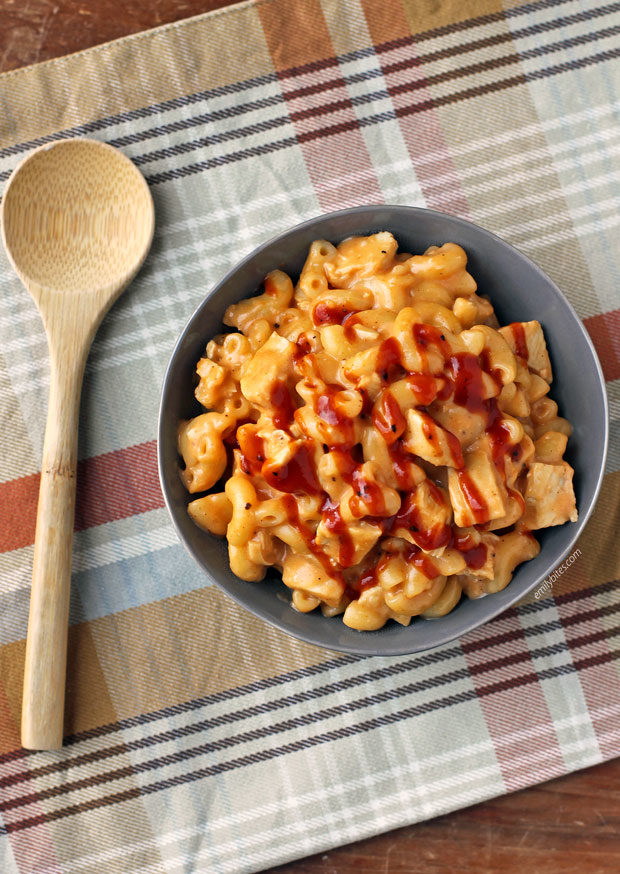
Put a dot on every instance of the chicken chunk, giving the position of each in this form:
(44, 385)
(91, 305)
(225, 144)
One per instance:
(477, 493)
(526, 339)
(549, 495)
(424, 437)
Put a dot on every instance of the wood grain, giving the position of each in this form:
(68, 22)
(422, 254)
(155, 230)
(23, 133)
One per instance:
(77, 220)
(570, 825)
(36, 30)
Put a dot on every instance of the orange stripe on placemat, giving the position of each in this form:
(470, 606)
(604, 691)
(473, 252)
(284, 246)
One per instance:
(449, 16)
(109, 487)
(403, 75)
(18, 511)
(336, 156)
(604, 330)
(9, 724)
(301, 37)
(386, 28)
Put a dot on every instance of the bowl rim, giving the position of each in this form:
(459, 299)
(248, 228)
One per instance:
(372, 636)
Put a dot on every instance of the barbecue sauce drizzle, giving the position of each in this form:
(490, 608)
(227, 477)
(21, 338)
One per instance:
(461, 379)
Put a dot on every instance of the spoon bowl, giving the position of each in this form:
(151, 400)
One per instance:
(77, 222)
(77, 216)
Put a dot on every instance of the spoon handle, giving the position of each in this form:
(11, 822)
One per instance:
(46, 646)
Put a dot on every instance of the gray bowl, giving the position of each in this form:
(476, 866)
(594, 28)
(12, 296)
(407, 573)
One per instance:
(519, 291)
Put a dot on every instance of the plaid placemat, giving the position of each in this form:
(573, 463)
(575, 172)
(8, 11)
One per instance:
(200, 739)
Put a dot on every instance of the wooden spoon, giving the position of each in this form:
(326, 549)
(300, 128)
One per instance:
(77, 223)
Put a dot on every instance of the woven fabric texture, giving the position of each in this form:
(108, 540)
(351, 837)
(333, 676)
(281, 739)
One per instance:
(198, 738)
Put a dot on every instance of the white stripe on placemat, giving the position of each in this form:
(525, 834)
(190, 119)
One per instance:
(16, 565)
(277, 808)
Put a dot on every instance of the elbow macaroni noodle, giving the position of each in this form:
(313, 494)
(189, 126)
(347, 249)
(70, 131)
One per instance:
(376, 436)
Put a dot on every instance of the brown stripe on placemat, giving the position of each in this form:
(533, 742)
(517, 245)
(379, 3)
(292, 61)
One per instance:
(510, 666)
(599, 543)
(87, 697)
(486, 18)
(422, 133)
(154, 656)
(432, 17)
(88, 702)
(412, 109)
(389, 31)
(494, 689)
(489, 665)
(9, 717)
(12, 657)
(340, 169)
(272, 729)
(298, 40)
(315, 86)
(273, 99)
(120, 106)
(397, 28)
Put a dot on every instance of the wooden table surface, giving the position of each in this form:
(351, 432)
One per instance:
(570, 825)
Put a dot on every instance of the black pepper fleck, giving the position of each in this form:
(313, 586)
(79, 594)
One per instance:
(394, 428)
(247, 506)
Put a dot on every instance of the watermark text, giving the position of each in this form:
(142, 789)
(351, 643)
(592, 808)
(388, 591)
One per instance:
(547, 584)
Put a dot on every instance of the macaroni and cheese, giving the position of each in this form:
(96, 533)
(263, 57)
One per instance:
(374, 434)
